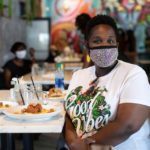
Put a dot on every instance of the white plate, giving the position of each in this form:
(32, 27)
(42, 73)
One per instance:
(9, 103)
(28, 116)
(59, 98)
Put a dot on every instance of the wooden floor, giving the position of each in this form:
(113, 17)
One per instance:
(45, 142)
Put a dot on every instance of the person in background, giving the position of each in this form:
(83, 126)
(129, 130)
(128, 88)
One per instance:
(131, 45)
(81, 22)
(53, 52)
(19, 65)
(147, 39)
(107, 104)
(122, 46)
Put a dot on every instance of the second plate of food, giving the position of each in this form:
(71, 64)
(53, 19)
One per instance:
(56, 94)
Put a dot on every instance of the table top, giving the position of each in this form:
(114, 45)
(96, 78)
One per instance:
(47, 75)
(54, 125)
(67, 66)
(47, 78)
(7, 125)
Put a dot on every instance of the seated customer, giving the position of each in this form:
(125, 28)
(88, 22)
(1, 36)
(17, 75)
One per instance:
(53, 52)
(107, 104)
(17, 66)
(81, 22)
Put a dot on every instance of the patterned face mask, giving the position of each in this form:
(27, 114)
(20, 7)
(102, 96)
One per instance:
(104, 56)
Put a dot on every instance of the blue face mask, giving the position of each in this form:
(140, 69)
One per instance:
(104, 56)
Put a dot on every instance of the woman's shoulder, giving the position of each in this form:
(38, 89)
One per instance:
(86, 71)
(129, 65)
(130, 68)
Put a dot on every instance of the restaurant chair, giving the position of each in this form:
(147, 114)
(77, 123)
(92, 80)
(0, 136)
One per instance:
(143, 60)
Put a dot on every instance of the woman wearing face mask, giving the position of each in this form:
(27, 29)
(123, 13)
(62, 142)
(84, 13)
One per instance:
(107, 104)
(18, 66)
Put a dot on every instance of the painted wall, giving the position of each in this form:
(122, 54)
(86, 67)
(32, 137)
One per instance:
(129, 14)
(134, 14)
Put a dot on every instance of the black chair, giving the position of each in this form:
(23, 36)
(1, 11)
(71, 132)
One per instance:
(144, 61)
(2, 81)
(144, 56)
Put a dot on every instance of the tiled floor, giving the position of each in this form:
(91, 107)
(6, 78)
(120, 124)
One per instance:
(45, 142)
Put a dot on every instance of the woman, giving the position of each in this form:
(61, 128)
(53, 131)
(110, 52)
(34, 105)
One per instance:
(18, 66)
(107, 104)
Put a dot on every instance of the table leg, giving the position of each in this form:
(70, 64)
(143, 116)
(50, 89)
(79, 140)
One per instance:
(27, 141)
(7, 142)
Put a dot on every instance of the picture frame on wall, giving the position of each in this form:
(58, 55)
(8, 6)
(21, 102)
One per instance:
(38, 37)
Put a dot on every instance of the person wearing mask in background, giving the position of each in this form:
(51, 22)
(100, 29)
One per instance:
(19, 65)
(107, 104)
(81, 22)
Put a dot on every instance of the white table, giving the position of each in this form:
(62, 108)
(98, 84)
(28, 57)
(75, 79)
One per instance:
(47, 78)
(7, 125)
(54, 125)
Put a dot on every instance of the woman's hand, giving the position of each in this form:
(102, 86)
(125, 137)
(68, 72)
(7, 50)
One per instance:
(72, 140)
(32, 54)
(79, 144)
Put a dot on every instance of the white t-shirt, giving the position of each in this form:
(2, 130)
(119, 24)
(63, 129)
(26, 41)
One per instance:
(126, 83)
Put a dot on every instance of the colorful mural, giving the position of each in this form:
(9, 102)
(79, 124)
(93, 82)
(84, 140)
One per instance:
(129, 14)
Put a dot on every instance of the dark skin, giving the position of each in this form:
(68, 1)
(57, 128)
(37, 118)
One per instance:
(126, 122)
(73, 141)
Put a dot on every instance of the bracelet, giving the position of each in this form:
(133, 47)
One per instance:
(89, 140)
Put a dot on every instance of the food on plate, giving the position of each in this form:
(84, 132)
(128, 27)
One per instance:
(2, 105)
(55, 92)
(35, 109)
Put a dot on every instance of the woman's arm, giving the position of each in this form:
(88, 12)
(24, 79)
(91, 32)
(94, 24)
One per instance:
(7, 78)
(130, 118)
(70, 133)
(72, 140)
